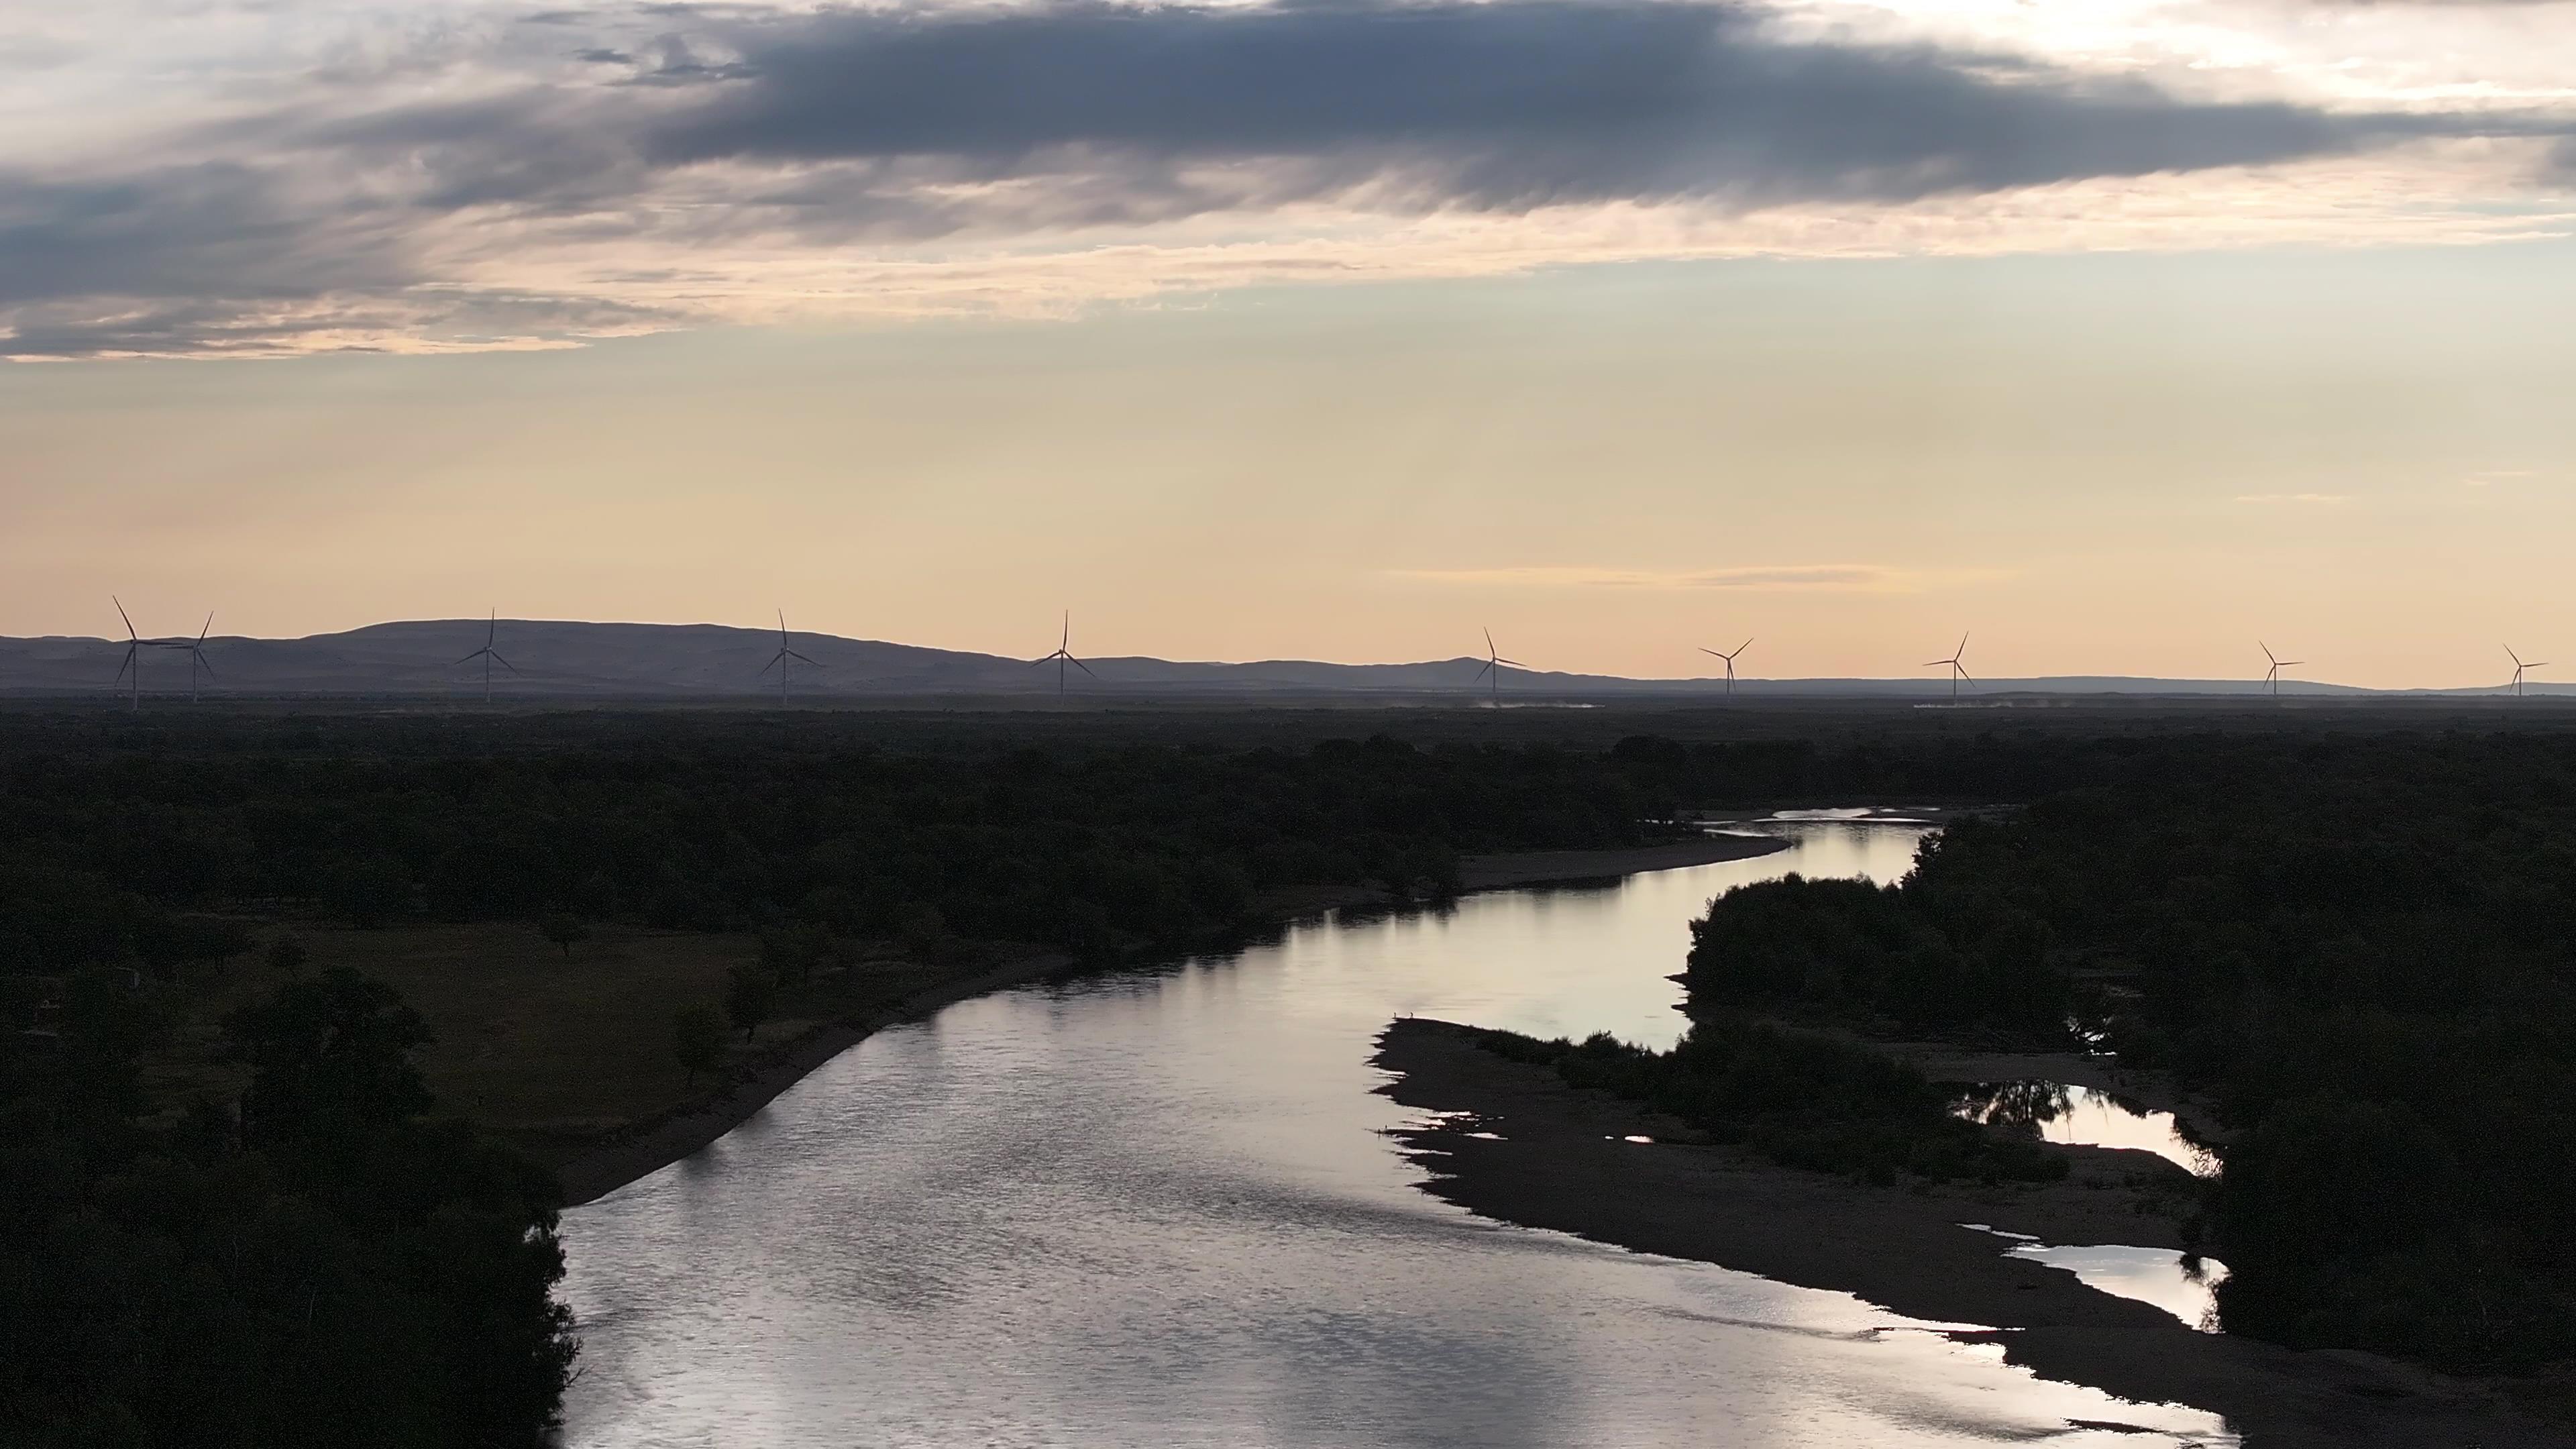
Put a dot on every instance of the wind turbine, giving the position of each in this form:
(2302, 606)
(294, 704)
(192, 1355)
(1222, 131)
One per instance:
(1730, 664)
(785, 660)
(1063, 656)
(196, 655)
(1958, 671)
(133, 655)
(1494, 662)
(489, 655)
(2272, 676)
(2519, 667)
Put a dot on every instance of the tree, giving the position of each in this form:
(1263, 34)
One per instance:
(923, 932)
(751, 994)
(287, 955)
(367, 891)
(791, 950)
(383, 1280)
(698, 1035)
(563, 928)
(329, 1054)
(596, 896)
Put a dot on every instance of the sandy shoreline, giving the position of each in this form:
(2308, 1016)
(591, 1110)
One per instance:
(1559, 1164)
(648, 1147)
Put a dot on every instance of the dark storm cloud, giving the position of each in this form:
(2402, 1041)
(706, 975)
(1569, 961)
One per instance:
(692, 125)
(1503, 105)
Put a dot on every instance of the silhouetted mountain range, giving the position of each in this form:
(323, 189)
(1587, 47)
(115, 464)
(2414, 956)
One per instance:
(560, 660)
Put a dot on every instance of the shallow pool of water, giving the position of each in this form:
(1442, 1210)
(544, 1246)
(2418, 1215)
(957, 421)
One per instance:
(2182, 1284)
(1157, 1208)
(2084, 1117)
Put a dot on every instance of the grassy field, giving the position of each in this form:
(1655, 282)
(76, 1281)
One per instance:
(550, 1053)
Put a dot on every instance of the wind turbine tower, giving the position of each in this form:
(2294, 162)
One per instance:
(1958, 671)
(1063, 656)
(133, 664)
(1730, 663)
(1494, 662)
(785, 660)
(2272, 676)
(196, 655)
(2520, 668)
(489, 655)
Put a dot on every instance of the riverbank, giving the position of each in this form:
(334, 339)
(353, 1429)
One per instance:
(1552, 867)
(1559, 1159)
(648, 1145)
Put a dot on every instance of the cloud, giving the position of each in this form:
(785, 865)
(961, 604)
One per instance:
(2289, 498)
(1502, 105)
(557, 175)
(1834, 578)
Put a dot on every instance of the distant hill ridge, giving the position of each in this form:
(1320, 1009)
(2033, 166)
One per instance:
(564, 659)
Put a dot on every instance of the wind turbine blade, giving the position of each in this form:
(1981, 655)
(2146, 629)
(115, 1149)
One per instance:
(201, 661)
(504, 663)
(792, 654)
(774, 661)
(1034, 663)
(491, 630)
(1078, 664)
(1490, 650)
(1516, 664)
(1964, 674)
(210, 623)
(120, 613)
(121, 668)
(1065, 640)
(2267, 652)
(470, 658)
(1937, 663)
(1740, 648)
(1962, 651)
(1483, 669)
(1713, 654)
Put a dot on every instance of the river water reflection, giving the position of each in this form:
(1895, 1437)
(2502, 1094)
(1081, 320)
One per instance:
(1155, 1208)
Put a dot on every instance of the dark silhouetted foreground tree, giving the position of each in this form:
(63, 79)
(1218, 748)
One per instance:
(698, 1038)
(336, 1270)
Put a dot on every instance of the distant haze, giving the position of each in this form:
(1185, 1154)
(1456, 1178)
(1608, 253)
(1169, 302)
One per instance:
(554, 660)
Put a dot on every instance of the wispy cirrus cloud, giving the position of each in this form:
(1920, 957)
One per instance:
(502, 177)
(1826, 578)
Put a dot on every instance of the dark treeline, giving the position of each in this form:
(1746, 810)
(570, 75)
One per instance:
(2364, 947)
(323, 1267)
(111, 858)
(129, 844)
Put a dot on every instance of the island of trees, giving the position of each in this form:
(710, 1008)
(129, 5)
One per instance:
(2363, 947)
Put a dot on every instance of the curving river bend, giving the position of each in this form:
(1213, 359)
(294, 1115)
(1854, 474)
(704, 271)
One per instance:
(1154, 1208)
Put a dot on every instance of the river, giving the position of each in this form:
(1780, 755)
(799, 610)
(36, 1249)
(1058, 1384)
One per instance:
(1156, 1208)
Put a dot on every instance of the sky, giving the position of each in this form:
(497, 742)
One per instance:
(2116, 335)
